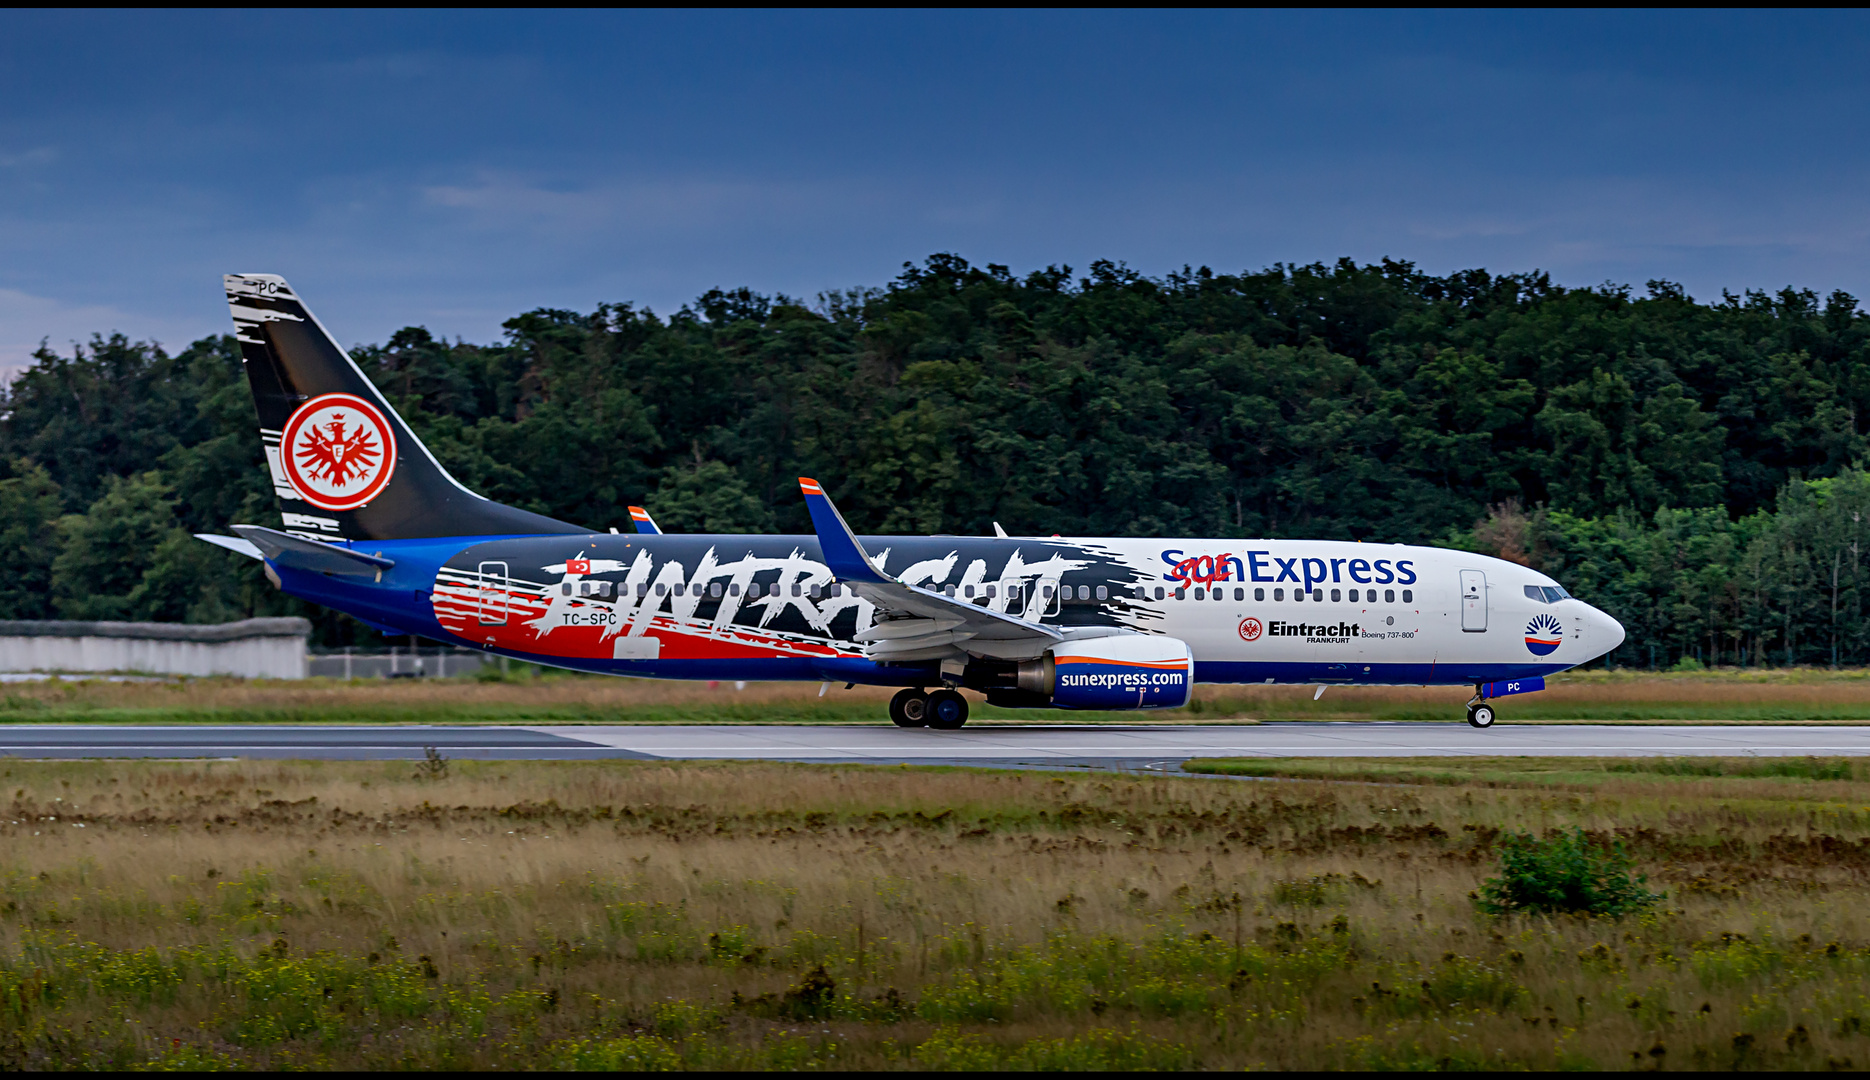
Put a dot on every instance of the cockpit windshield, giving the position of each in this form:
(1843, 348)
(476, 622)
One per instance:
(1546, 594)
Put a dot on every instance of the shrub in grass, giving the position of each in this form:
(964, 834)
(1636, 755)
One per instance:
(1564, 873)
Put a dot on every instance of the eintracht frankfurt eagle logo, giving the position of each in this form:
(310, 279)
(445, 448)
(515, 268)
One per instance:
(1543, 634)
(338, 451)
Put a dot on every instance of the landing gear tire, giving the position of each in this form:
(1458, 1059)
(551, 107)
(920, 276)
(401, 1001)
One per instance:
(1480, 716)
(910, 708)
(947, 710)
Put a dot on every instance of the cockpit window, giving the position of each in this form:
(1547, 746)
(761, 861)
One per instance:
(1546, 594)
(1534, 592)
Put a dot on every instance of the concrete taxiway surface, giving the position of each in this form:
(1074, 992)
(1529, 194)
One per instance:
(1153, 747)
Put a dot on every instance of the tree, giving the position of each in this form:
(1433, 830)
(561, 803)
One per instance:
(29, 513)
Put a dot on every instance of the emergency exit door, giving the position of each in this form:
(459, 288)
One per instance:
(1473, 601)
(492, 593)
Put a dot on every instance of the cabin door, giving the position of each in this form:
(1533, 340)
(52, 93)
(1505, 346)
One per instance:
(1473, 601)
(492, 593)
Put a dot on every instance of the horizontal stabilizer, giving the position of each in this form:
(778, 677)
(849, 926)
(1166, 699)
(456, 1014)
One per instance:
(298, 553)
(235, 544)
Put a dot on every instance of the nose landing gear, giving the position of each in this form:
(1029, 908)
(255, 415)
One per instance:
(1480, 714)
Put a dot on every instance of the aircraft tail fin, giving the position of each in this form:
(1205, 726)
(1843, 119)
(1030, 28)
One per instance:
(344, 465)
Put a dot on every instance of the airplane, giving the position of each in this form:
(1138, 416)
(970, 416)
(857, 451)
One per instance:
(377, 528)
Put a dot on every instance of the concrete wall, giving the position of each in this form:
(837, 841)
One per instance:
(252, 648)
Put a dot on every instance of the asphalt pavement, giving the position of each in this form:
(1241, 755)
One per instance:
(1123, 747)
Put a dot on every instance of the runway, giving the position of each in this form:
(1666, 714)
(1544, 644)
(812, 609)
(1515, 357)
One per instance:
(1121, 747)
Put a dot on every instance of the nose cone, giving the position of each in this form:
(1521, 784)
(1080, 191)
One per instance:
(1606, 632)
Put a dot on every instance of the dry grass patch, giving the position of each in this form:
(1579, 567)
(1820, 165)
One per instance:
(630, 915)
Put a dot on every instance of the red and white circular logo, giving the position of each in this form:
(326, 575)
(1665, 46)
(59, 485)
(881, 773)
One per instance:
(338, 451)
(1250, 629)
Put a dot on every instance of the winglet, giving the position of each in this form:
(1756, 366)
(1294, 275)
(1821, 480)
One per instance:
(644, 523)
(844, 555)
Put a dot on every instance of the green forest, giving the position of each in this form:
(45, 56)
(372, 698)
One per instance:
(1694, 467)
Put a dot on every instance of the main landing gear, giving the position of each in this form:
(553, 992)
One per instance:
(944, 710)
(1480, 714)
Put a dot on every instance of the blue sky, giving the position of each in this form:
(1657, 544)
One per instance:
(451, 170)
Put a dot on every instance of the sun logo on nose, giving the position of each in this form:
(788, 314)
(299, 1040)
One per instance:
(1543, 634)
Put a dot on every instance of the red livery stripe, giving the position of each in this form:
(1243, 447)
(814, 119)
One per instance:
(1159, 665)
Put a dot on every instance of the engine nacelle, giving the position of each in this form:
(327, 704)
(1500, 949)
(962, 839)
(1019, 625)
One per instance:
(1127, 671)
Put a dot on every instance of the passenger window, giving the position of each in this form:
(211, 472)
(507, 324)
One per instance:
(661, 589)
(967, 591)
(733, 588)
(1180, 593)
(565, 589)
(1159, 592)
(1279, 594)
(1259, 594)
(1102, 594)
(1389, 596)
(1334, 596)
(1408, 597)
(1201, 594)
(1372, 598)
(951, 590)
(1240, 594)
(797, 591)
(1318, 596)
(714, 589)
(642, 589)
(990, 592)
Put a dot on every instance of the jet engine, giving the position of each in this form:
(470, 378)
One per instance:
(1126, 671)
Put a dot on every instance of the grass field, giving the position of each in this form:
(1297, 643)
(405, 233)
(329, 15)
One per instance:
(1797, 696)
(647, 915)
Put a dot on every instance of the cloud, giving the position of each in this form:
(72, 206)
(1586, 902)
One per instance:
(28, 159)
(664, 205)
(27, 320)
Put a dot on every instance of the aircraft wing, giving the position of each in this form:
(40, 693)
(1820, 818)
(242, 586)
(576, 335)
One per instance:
(315, 555)
(918, 623)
